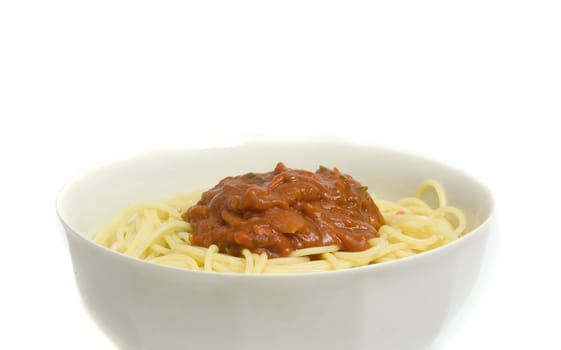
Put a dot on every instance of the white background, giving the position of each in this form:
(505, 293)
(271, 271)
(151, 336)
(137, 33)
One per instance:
(473, 83)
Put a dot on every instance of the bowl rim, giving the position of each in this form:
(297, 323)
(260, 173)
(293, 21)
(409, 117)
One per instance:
(478, 230)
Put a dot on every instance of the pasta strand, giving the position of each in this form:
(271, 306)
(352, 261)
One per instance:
(157, 233)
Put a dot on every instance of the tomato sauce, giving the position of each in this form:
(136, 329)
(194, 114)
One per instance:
(283, 210)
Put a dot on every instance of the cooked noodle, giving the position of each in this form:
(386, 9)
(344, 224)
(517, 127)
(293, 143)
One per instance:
(156, 232)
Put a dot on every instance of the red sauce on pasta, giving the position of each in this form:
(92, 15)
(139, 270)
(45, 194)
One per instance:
(283, 210)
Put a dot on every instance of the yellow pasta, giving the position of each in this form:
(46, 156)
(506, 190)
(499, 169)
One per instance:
(156, 232)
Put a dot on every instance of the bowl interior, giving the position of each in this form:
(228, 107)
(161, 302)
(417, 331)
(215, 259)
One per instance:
(92, 198)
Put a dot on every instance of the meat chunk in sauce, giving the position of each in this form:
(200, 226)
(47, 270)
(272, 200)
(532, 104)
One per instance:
(283, 210)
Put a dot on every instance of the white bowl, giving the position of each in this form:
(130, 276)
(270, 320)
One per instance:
(395, 305)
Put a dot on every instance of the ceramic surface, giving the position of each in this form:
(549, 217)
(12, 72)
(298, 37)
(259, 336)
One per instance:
(396, 305)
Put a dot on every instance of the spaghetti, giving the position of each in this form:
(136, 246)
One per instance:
(157, 233)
